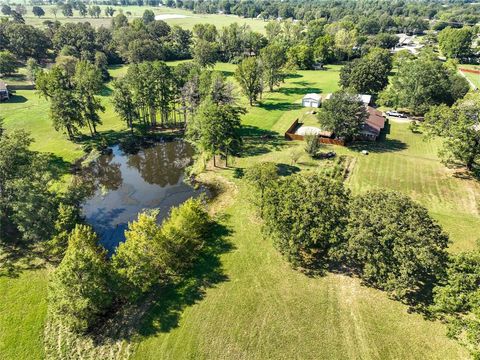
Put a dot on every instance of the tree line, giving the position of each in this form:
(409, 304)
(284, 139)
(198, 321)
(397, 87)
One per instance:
(381, 236)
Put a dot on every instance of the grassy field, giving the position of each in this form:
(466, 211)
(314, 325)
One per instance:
(264, 309)
(187, 22)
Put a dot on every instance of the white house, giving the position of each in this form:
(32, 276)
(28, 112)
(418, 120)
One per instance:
(312, 100)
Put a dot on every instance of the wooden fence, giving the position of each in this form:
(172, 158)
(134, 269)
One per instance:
(290, 135)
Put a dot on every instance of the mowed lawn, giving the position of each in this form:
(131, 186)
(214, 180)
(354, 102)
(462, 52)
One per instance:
(188, 20)
(264, 309)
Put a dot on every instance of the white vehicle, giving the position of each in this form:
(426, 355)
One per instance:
(396, 114)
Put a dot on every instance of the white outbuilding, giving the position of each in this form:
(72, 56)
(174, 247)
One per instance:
(312, 100)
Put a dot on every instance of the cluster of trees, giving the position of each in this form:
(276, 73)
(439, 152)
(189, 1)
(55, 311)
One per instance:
(200, 99)
(459, 128)
(384, 237)
(456, 43)
(423, 82)
(369, 74)
(32, 213)
(71, 86)
(142, 40)
(86, 284)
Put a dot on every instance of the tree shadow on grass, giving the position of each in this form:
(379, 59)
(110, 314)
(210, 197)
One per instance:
(57, 165)
(287, 170)
(282, 106)
(258, 141)
(17, 257)
(380, 146)
(170, 301)
(299, 90)
(293, 76)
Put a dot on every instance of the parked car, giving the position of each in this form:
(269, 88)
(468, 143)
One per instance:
(396, 114)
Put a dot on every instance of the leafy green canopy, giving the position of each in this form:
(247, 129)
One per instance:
(154, 254)
(422, 83)
(344, 114)
(306, 214)
(457, 300)
(395, 245)
(459, 128)
(368, 75)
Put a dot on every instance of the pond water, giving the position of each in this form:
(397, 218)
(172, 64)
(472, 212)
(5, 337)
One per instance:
(127, 184)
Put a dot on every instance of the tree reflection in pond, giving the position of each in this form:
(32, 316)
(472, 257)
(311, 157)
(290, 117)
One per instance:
(128, 184)
(163, 165)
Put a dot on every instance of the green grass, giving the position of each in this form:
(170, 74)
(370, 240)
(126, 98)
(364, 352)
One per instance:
(265, 309)
(23, 306)
(218, 19)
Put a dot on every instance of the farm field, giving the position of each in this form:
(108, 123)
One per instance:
(263, 308)
(187, 21)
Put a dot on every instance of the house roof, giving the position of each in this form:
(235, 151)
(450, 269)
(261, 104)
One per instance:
(312, 96)
(3, 86)
(375, 121)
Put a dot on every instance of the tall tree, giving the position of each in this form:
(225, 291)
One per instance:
(273, 61)
(368, 75)
(88, 82)
(249, 75)
(205, 53)
(139, 260)
(261, 176)
(66, 111)
(8, 63)
(421, 83)
(123, 103)
(215, 129)
(38, 11)
(79, 290)
(456, 43)
(457, 299)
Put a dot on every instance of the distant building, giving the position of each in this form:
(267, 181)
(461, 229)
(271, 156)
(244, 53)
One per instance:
(3, 91)
(312, 100)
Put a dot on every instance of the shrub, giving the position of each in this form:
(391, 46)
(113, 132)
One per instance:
(312, 145)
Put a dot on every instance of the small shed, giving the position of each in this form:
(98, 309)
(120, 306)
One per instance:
(3, 91)
(312, 100)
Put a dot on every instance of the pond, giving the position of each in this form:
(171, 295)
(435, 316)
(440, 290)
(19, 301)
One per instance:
(127, 184)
